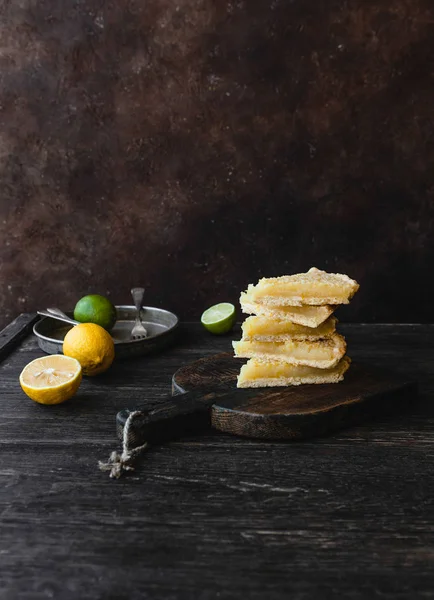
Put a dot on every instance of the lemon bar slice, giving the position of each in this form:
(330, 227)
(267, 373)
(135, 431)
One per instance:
(314, 287)
(310, 316)
(256, 374)
(322, 354)
(264, 329)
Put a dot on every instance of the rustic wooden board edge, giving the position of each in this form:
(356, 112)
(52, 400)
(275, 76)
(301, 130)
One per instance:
(177, 388)
(322, 424)
(15, 332)
(398, 394)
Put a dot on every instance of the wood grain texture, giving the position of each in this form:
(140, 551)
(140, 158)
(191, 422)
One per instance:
(296, 412)
(214, 516)
(13, 333)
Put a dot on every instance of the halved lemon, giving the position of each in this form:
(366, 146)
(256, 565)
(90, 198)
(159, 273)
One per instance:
(51, 379)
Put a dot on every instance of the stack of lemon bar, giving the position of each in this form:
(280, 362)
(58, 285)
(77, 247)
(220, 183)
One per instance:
(292, 338)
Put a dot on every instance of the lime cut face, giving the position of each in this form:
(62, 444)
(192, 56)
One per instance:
(220, 318)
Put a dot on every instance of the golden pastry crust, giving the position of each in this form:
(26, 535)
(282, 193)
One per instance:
(287, 375)
(315, 287)
(265, 329)
(322, 354)
(310, 316)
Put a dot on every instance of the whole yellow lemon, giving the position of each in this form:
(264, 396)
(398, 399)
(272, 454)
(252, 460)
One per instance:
(92, 346)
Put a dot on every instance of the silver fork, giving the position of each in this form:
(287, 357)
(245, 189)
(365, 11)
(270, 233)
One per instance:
(138, 332)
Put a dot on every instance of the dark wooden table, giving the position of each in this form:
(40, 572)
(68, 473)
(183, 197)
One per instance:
(213, 516)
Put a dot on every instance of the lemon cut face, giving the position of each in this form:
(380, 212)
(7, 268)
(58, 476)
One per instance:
(51, 379)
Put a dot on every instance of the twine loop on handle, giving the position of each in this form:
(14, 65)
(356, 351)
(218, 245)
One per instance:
(118, 463)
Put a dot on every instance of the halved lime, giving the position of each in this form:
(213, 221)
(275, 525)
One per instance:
(219, 318)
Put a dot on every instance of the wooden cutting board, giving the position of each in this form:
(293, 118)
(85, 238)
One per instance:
(204, 393)
(295, 412)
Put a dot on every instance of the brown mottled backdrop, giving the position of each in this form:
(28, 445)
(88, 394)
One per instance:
(192, 146)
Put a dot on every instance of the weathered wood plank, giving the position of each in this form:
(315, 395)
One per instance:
(13, 333)
(214, 516)
(185, 517)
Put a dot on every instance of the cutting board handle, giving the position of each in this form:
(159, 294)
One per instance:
(176, 416)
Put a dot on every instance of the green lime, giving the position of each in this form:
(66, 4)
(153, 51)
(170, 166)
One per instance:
(219, 318)
(95, 309)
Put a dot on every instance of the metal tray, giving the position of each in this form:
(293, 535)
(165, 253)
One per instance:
(160, 324)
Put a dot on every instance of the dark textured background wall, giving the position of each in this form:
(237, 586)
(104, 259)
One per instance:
(192, 146)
